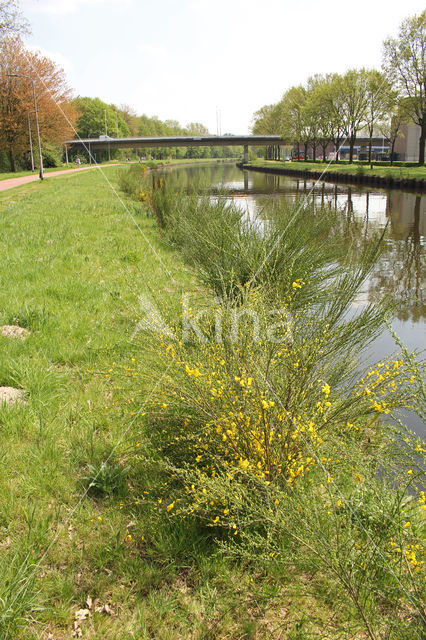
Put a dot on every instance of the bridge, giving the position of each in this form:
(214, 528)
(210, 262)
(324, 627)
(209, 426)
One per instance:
(107, 143)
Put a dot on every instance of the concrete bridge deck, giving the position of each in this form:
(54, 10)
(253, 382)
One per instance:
(176, 141)
(104, 142)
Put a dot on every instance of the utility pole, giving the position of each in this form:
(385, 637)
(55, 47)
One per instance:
(21, 75)
(31, 142)
(106, 133)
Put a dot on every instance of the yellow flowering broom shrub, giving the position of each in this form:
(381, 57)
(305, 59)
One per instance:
(265, 403)
(270, 436)
(275, 449)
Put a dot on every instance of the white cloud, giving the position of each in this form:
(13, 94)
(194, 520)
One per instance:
(63, 7)
(56, 56)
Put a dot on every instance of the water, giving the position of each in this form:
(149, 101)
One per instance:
(400, 271)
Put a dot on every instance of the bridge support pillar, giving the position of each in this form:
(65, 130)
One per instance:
(246, 156)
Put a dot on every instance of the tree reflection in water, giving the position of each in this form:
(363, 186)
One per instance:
(400, 271)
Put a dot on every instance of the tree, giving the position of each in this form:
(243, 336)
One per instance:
(292, 104)
(333, 101)
(12, 23)
(93, 115)
(404, 62)
(55, 114)
(390, 129)
(130, 117)
(197, 129)
(354, 95)
(380, 99)
(312, 120)
(173, 127)
(320, 110)
(267, 120)
(91, 119)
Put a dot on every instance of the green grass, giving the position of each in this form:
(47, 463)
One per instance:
(73, 266)
(356, 168)
(7, 175)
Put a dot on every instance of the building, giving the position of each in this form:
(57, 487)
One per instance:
(406, 147)
(407, 143)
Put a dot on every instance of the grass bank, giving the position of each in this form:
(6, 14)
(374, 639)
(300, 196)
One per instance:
(152, 164)
(272, 440)
(74, 263)
(89, 541)
(401, 176)
(71, 165)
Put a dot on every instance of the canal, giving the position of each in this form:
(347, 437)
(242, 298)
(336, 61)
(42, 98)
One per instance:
(400, 270)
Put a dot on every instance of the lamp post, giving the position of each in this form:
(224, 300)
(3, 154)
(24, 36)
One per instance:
(106, 133)
(21, 75)
(31, 141)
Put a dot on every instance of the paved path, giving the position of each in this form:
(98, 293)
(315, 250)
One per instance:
(16, 182)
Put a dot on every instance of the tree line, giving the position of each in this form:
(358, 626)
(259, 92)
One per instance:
(62, 116)
(98, 118)
(334, 108)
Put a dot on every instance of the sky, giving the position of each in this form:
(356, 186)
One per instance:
(209, 61)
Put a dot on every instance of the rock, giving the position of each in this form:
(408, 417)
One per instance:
(9, 395)
(13, 331)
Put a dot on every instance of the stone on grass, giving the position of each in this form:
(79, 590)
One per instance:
(9, 395)
(13, 331)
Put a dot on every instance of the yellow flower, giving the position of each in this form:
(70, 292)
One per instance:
(325, 389)
(170, 506)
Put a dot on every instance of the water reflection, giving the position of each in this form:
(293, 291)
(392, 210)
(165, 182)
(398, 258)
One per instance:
(365, 213)
(399, 272)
